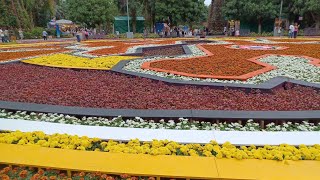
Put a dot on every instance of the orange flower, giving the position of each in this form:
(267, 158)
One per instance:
(103, 176)
(124, 176)
(82, 174)
(134, 178)
(151, 178)
(41, 172)
(7, 169)
(109, 178)
(4, 177)
(23, 174)
(36, 176)
(44, 178)
(62, 175)
(53, 177)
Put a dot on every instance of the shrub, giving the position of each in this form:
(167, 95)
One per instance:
(34, 33)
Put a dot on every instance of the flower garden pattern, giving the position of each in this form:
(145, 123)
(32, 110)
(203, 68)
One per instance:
(74, 62)
(236, 63)
(95, 85)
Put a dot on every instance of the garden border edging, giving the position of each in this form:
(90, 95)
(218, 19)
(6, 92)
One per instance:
(195, 114)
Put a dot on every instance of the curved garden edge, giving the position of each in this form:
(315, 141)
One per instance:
(266, 86)
(237, 138)
(192, 114)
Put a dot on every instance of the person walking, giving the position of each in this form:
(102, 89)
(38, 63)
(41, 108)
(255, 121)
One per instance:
(145, 33)
(21, 34)
(79, 34)
(296, 29)
(44, 35)
(291, 31)
(2, 35)
(86, 34)
(6, 36)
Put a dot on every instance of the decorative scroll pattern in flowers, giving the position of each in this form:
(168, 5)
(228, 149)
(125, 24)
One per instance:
(237, 59)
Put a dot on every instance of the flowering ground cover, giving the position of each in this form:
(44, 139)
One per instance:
(120, 47)
(7, 56)
(163, 147)
(180, 124)
(164, 51)
(69, 61)
(233, 64)
(32, 173)
(88, 88)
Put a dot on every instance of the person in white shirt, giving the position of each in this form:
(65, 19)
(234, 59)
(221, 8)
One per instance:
(2, 36)
(21, 34)
(291, 30)
(44, 35)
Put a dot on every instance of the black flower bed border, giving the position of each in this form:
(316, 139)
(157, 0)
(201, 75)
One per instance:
(209, 115)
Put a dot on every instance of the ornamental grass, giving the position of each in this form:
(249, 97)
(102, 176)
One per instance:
(163, 147)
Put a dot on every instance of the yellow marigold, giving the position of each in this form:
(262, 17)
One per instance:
(70, 61)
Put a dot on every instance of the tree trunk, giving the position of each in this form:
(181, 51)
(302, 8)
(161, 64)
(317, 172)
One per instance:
(318, 25)
(259, 25)
(134, 21)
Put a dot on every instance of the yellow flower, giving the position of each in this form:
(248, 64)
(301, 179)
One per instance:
(70, 61)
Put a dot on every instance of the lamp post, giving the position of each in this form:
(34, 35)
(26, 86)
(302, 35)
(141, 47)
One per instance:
(128, 16)
(280, 18)
(281, 9)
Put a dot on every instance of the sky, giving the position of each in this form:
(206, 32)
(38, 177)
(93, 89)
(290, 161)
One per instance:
(207, 2)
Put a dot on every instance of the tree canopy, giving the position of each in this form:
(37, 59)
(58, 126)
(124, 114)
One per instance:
(91, 13)
(187, 11)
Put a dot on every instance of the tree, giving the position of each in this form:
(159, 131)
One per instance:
(91, 13)
(261, 9)
(184, 12)
(234, 9)
(313, 7)
(216, 21)
(251, 10)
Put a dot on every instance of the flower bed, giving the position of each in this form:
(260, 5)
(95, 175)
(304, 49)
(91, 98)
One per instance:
(27, 83)
(31, 173)
(9, 56)
(255, 47)
(208, 66)
(120, 47)
(163, 147)
(163, 51)
(307, 55)
(181, 123)
(69, 61)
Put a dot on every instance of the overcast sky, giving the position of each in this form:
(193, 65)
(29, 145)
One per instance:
(207, 2)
